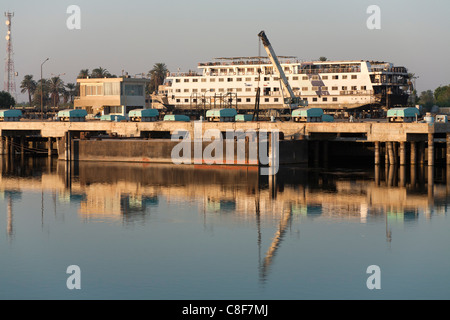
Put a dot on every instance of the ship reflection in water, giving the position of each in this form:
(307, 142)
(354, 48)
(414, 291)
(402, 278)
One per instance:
(126, 193)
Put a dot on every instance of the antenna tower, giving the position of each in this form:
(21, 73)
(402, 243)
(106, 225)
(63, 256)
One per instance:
(10, 82)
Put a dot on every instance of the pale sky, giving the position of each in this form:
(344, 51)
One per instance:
(135, 34)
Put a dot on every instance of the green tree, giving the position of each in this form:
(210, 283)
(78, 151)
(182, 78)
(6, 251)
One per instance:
(71, 89)
(100, 73)
(28, 85)
(6, 100)
(42, 86)
(426, 99)
(157, 76)
(84, 73)
(442, 96)
(323, 59)
(55, 88)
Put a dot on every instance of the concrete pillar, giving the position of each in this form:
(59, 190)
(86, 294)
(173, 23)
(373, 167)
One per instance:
(430, 149)
(377, 153)
(2, 145)
(386, 154)
(325, 153)
(316, 152)
(402, 150)
(413, 157)
(448, 150)
(49, 147)
(391, 153)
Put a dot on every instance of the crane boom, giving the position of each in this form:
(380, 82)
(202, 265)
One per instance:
(292, 100)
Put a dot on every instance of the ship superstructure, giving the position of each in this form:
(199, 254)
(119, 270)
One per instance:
(331, 85)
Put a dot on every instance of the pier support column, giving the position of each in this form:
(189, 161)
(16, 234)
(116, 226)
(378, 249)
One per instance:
(402, 150)
(430, 149)
(2, 145)
(448, 150)
(49, 147)
(391, 153)
(413, 159)
(386, 154)
(377, 153)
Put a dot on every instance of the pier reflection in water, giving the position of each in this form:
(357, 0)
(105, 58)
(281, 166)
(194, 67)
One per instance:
(268, 208)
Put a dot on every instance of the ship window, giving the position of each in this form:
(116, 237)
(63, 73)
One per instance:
(324, 88)
(203, 90)
(238, 79)
(194, 80)
(315, 77)
(186, 90)
(305, 89)
(315, 88)
(212, 80)
(220, 79)
(177, 90)
(314, 99)
(266, 79)
(239, 100)
(354, 76)
(186, 100)
(354, 88)
(266, 99)
(294, 78)
(177, 80)
(238, 89)
(230, 79)
(248, 89)
(305, 78)
(334, 88)
(248, 79)
(186, 80)
(247, 100)
(203, 79)
(194, 90)
(324, 99)
(344, 77)
(275, 100)
(344, 87)
(363, 87)
(335, 77)
(178, 100)
(221, 90)
(324, 77)
(335, 99)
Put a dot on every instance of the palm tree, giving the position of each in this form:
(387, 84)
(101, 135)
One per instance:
(56, 87)
(71, 89)
(84, 73)
(28, 84)
(100, 73)
(42, 86)
(157, 76)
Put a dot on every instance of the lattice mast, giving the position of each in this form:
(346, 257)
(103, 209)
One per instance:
(10, 82)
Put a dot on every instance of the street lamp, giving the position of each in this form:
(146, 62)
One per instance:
(42, 91)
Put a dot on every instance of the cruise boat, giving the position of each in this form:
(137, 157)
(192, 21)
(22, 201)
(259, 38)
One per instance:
(334, 86)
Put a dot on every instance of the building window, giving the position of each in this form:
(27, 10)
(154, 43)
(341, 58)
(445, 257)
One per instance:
(334, 99)
(186, 90)
(324, 88)
(178, 100)
(220, 79)
(275, 100)
(186, 80)
(305, 78)
(134, 90)
(112, 88)
(230, 79)
(247, 100)
(344, 88)
(203, 79)
(248, 79)
(305, 89)
(324, 99)
(324, 77)
(363, 87)
(344, 77)
(177, 80)
(212, 80)
(266, 99)
(334, 88)
(186, 100)
(238, 79)
(354, 76)
(314, 99)
(354, 88)
(335, 77)
(315, 88)
(294, 78)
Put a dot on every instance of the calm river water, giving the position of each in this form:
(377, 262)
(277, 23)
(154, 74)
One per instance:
(139, 231)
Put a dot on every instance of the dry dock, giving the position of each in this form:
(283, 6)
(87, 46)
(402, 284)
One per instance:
(390, 143)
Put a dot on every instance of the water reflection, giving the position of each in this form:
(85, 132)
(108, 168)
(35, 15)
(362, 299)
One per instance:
(129, 192)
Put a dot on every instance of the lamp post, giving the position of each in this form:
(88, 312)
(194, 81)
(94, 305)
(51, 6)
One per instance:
(42, 91)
